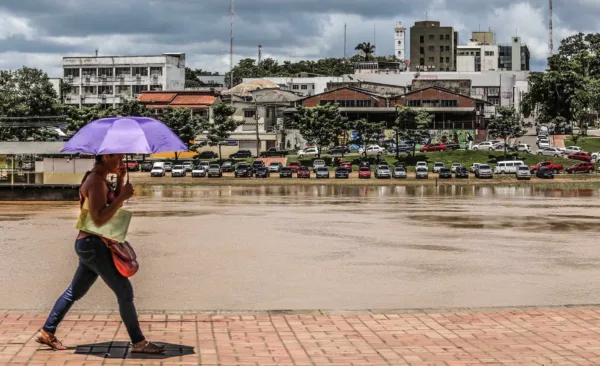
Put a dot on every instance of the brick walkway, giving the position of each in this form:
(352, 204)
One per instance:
(525, 336)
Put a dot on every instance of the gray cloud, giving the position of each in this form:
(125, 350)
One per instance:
(45, 30)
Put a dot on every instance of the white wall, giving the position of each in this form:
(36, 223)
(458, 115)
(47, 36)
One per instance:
(465, 63)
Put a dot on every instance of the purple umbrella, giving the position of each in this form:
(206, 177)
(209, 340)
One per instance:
(124, 135)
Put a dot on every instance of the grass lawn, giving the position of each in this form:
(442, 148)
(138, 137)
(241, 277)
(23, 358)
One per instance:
(589, 144)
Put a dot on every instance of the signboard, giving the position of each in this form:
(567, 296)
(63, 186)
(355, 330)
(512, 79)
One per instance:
(232, 142)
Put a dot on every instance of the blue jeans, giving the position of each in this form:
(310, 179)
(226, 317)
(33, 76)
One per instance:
(95, 259)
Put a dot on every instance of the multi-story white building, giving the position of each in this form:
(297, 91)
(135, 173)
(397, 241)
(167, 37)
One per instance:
(477, 57)
(303, 86)
(111, 79)
(400, 42)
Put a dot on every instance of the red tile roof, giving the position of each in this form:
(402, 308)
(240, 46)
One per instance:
(157, 97)
(193, 99)
(163, 106)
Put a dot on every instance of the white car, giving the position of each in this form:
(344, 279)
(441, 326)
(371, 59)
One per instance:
(474, 167)
(178, 171)
(550, 151)
(437, 166)
(524, 148)
(157, 171)
(484, 171)
(309, 151)
(543, 143)
(188, 165)
(422, 164)
(455, 166)
(523, 172)
(199, 171)
(487, 145)
(421, 172)
(572, 150)
(372, 150)
(595, 155)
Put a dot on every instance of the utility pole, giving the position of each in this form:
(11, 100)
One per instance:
(550, 41)
(374, 40)
(345, 28)
(259, 53)
(231, 15)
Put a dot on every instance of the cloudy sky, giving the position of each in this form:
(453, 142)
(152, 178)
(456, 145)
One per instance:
(39, 32)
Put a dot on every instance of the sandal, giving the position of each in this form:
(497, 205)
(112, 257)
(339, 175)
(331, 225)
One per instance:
(147, 347)
(50, 340)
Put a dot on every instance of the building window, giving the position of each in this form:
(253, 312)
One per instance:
(431, 59)
(493, 91)
(89, 90)
(123, 71)
(413, 103)
(142, 71)
(447, 48)
(72, 90)
(156, 71)
(363, 103)
(449, 103)
(156, 87)
(295, 87)
(249, 113)
(431, 37)
(105, 90)
(431, 48)
(494, 100)
(477, 53)
(422, 50)
(421, 62)
(441, 37)
(399, 43)
(105, 71)
(88, 71)
(430, 103)
(422, 39)
(138, 89)
(447, 37)
(72, 72)
(441, 59)
(441, 48)
(399, 53)
(489, 53)
(123, 90)
(447, 59)
(304, 87)
(478, 91)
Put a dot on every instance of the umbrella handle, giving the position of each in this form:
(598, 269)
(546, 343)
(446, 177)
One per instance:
(127, 167)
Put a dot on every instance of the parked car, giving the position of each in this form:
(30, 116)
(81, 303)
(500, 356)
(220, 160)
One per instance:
(168, 166)
(346, 165)
(399, 172)
(309, 151)
(271, 152)
(342, 173)
(132, 166)
(257, 164)
(243, 170)
(262, 172)
(484, 171)
(364, 172)
(319, 163)
(188, 165)
(147, 166)
(461, 172)
(198, 171)
(421, 172)
(524, 148)
(509, 166)
(207, 155)
(339, 150)
(157, 171)
(445, 173)
(322, 172)
(241, 154)
(583, 156)
(437, 166)
(542, 143)
(523, 172)
(452, 146)
(474, 167)
(455, 166)
(275, 167)
(433, 147)
(372, 150)
(402, 148)
(227, 166)
(303, 172)
(178, 171)
(214, 170)
(294, 165)
(550, 151)
(205, 164)
(422, 164)
(583, 167)
(595, 156)
(544, 173)
(383, 171)
(486, 145)
(572, 149)
(547, 164)
(285, 172)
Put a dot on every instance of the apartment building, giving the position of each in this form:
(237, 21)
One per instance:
(109, 80)
(432, 47)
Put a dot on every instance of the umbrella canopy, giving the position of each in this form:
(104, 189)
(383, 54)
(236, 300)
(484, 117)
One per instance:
(124, 135)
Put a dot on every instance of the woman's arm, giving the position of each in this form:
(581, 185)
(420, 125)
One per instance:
(97, 191)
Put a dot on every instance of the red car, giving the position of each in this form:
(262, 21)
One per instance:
(364, 172)
(346, 165)
(433, 147)
(294, 165)
(303, 172)
(555, 168)
(583, 167)
(583, 156)
(132, 166)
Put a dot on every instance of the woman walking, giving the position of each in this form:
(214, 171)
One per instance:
(95, 258)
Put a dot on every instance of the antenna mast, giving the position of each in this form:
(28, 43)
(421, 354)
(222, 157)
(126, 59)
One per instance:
(550, 42)
(259, 53)
(345, 41)
(231, 15)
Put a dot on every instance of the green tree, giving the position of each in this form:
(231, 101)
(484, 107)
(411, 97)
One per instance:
(366, 132)
(505, 125)
(184, 124)
(191, 80)
(366, 48)
(321, 124)
(27, 93)
(133, 108)
(222, 125)
(411, 125)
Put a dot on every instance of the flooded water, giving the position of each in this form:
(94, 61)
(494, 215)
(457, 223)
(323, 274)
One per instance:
(326, 247)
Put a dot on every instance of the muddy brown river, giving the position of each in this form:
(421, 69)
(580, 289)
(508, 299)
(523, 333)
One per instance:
(325, 247)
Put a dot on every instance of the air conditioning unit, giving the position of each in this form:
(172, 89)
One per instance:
(154, 76)
(103, 77)
(138, 76)
(102, 96)
(70, 77)
(67, 98)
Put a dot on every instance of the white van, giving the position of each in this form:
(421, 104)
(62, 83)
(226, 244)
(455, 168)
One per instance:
(159, 164)
(503, 167)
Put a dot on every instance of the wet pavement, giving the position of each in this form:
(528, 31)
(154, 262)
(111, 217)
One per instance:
(323, 247)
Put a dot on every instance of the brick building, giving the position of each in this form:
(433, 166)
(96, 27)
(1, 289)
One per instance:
(199, 102)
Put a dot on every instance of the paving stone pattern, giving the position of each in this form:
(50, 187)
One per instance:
(527, 336)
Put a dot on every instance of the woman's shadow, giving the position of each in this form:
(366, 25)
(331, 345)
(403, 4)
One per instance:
(123, 350)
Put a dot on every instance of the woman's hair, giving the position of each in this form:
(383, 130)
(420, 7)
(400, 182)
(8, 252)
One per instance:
(99, 159)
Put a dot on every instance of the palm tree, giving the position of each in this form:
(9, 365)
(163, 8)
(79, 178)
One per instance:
(367, 48)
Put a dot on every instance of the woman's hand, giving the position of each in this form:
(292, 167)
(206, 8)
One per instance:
(126, 192)
(122, 172)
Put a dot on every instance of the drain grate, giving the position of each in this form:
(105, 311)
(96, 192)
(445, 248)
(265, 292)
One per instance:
(123, 350)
